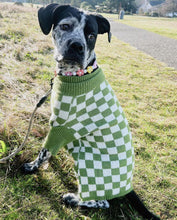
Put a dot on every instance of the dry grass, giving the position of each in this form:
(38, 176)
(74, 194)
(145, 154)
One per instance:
(146, 89)
(11, 8)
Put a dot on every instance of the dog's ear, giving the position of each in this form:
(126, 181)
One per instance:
(103, 26)
(47, 16)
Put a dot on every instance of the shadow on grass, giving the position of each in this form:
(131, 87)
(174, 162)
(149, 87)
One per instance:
(43, 193)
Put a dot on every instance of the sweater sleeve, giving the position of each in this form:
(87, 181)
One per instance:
(60, 133)
(58, 137)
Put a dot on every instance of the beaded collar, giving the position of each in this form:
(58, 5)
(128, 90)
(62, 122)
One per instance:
(82, 72)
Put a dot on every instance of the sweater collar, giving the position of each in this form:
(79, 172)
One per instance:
(78, 85)
(81, 72)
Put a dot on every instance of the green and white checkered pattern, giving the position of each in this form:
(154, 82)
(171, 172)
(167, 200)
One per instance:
(101, 145)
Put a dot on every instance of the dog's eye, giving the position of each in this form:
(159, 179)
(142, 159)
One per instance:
(65, 27)
(91, 37)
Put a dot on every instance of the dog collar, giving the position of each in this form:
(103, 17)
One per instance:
(82, 72)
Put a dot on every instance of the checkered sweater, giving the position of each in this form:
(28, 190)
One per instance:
(88, 120)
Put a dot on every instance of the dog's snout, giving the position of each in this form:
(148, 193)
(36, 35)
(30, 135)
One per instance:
(74, 52)
(77, 47)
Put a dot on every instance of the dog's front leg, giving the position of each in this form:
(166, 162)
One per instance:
(73, 200)
(33, 166)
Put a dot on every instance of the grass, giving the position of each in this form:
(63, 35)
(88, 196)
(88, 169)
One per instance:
(164, 26)
(146, 90)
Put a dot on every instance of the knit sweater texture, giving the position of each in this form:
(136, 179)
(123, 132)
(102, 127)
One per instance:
(88, 119)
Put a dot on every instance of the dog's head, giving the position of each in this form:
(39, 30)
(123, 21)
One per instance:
(74, 34)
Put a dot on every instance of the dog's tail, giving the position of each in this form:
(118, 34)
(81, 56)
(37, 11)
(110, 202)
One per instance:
(138, 205)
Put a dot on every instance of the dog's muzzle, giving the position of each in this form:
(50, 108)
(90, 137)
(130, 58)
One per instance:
(75, 52)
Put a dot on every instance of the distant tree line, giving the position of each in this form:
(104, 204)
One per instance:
(112, 6)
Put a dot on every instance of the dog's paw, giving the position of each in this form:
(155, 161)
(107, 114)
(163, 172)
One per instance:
(101, 204)
(29, 168)
(71, 200)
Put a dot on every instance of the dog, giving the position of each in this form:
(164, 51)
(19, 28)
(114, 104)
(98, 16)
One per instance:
(86, 115)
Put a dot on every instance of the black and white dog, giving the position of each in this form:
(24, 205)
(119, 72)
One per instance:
(74, 35)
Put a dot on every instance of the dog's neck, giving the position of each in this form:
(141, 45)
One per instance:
(89, 69)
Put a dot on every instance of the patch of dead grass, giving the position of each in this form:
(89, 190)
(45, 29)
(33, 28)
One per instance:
(146, 89)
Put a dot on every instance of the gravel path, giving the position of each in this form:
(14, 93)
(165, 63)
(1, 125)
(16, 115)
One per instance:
(161, 48)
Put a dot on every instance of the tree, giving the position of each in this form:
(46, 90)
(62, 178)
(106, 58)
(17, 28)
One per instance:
(127, 5)
(171, 6)
(168, 8)
(84, 5)
(76, 3)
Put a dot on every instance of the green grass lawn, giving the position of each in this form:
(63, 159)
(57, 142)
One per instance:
(164, 26)
(146, 90)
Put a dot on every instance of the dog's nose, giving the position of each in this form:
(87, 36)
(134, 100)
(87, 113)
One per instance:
(77, 47)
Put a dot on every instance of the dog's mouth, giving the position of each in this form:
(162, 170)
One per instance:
(72, 61)
(67, 62)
